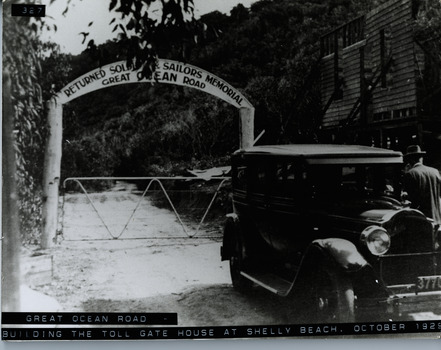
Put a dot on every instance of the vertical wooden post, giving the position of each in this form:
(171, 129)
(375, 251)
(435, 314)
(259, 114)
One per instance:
(363, 97)
(51, 173)
(336, 68)
(247, 127)
(10, 217)
(383, 58)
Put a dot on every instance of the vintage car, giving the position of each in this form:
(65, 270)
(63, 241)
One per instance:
(325, 226)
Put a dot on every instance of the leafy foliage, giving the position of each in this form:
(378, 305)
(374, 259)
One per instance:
(161, 130)
(148, 28)
(21, 61)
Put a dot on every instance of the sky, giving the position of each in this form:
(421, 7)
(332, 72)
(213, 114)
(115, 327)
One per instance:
(82, 12)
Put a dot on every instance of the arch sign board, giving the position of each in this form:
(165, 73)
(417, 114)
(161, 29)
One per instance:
(167, 71)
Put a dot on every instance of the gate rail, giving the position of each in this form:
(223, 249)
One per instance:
(151, 180)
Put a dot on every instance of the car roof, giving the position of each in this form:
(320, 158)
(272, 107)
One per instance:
(327, 153)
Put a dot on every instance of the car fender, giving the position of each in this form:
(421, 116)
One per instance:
(343, 255)
(344, 252)
(231, 229)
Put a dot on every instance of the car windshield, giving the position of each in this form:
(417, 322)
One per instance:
(335, 181)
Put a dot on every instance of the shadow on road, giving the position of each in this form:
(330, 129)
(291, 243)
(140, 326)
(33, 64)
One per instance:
(214, 305)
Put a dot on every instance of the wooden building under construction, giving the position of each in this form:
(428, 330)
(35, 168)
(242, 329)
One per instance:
(380, 81)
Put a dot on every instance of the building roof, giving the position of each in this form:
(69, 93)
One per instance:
(328, 153)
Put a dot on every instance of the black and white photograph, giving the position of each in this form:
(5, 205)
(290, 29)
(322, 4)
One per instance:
(221, 169)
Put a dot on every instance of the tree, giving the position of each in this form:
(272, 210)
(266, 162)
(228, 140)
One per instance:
(22, 137)
(146, 28)
(21, 61)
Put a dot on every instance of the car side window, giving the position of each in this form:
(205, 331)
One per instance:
(351, 179)
(240, 178)
(284, 180)
(257, 177)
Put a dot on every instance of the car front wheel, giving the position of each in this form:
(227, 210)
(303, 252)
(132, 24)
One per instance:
(327, 297)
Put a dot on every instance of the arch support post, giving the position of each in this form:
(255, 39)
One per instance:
(11, 244)
(51, 172)
(247, 127)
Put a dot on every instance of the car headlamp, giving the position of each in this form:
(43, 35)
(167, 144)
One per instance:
(376, 239)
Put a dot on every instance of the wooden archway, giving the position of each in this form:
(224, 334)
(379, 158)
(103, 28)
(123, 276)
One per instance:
(167, 72)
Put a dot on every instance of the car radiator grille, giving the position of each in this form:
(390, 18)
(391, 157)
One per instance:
(412, 251)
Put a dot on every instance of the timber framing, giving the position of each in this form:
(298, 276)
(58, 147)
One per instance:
(379, 84)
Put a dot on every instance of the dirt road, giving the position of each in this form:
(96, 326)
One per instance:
(152, 267)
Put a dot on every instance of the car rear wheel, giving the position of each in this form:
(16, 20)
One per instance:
(240, 282)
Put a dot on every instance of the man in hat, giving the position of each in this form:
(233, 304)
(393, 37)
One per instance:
(422, 184)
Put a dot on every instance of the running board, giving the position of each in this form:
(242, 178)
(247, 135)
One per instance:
(269, 281)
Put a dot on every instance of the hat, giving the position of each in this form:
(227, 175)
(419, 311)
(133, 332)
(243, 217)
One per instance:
(414, 150)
